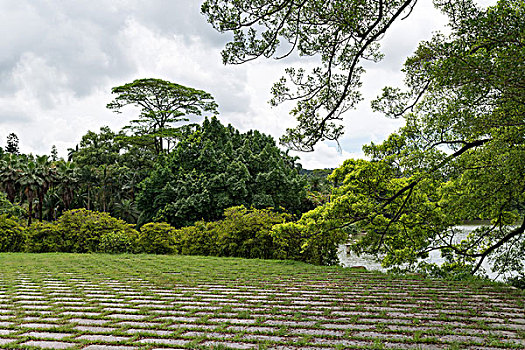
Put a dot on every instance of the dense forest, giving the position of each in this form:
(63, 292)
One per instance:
(160, 178)
(166, 184)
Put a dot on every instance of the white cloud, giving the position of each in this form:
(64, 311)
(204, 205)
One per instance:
(59, 60)
(325, 156)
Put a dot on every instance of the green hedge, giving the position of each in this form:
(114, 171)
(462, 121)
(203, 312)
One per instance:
(81, 231)
(246, 233)
(242, 233)
(12, 235)
(155, 238)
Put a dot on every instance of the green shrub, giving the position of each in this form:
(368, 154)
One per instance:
(156, 238)
(43, 238)
(115, 242)
(246, 232)
(199, 239)
(6, 207)
(242, 233)
(307, 241)
(83, 230)
(11, 235)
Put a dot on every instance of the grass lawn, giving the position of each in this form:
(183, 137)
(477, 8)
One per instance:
(97, 301)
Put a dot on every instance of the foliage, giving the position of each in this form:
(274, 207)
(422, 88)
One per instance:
(82, 230)
(117, 242)
(461, 155)
(198, 239)
(319, 188)
(11, 235)
(26, 178)
(305, 240)
(242, 233)
(108, 169)
(43, 237)
(12, 144)
(246, 232)
(216, 167)
(8, 208)
(161, 104)
(155, 238)
(340, 33)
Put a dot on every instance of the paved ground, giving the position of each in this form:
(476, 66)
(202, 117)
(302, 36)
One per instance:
(369, 311)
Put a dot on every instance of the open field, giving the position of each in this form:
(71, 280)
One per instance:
(67, 301)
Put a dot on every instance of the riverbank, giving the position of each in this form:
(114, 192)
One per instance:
(97, 301)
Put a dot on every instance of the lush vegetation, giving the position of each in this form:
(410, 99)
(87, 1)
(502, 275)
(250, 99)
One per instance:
(217, 167)
(208, 189)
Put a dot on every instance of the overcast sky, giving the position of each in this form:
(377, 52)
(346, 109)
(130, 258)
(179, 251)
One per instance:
(59, 60)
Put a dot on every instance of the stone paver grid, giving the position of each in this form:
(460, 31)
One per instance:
(111, 315)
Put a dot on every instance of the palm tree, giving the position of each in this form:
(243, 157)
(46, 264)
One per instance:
(67, 179)
(127, 210)
(30, 182)
(10, 172)
(48, 176)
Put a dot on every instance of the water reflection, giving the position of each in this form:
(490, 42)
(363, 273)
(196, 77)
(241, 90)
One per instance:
(349, 259)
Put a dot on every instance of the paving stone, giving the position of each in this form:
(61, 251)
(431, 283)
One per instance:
(269, 338)
(155, 306)
(38, 325)
(6, 324)
(94, 329)
(290, 323)
(79, 313)
(5, 341)
(192, 326)
(82, 308)
(163, 341)
(206, 334)
(460, 338)
(317, 332)
(100, 337)
(408, 346)
(49, 344)
(43, 319)
(252, 329)
(31, 302)
(233, 320)
(128, 316)
(177, 318)
(88, 321)
(229, 345)
(109, 347)
(378, 335)
(46, 335)
(139, 324)
(121, 309)
(148, 331)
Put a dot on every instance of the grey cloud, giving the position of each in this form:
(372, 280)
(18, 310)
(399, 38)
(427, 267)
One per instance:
(80, 41)
(9, 117)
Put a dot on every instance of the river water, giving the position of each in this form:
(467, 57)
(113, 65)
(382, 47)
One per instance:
(349, 259)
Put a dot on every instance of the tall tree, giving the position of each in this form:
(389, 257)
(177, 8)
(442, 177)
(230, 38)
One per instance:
(48, 177)
(30, 182)
(12, 144)
(161, 104)
(10, 171)
(216, 167)
(341, 33)
(460, 156)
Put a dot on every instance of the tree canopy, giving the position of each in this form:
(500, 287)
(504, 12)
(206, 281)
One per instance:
(161, 104)
(342, 34)
(461, 155)
(215, 167)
